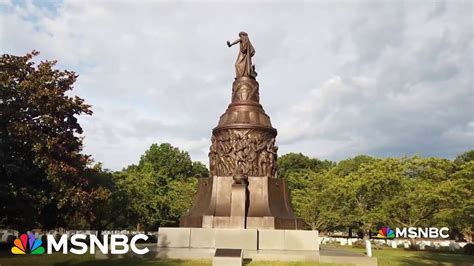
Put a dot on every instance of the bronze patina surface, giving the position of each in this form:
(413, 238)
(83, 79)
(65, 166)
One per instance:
(242, 160)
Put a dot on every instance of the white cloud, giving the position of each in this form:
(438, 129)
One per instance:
(337, 78)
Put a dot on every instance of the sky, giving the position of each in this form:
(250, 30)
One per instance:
(338, 78)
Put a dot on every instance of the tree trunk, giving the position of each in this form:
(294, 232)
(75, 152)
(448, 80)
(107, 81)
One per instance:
(366, 235)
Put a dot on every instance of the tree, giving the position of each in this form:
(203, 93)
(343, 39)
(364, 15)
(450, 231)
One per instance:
(166, 160)
(105, 209)
(345, 167)
(199, 170)
(145, 203)
(340, 187)
(43, 175)
(179, 197)
(418, 203)
(424, 191)
(160, 188)
(292, 162)
(316, 199)
(369, 189)
(429, 169)
(459, 212)
(462, 211)
(467, 156)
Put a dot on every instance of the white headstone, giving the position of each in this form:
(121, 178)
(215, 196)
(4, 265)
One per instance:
(453, 246)
(368, 248)
(394, 243)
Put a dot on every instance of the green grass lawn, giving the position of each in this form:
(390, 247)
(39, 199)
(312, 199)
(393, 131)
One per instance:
(388, 257)
(396, 257)
(402, 257)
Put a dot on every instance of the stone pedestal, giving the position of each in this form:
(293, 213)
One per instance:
(245, 239)
(267, 205)
(256, 245)
(174, 237)
(302, 240)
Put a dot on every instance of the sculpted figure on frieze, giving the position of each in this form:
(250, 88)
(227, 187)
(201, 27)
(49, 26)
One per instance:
(251, 152)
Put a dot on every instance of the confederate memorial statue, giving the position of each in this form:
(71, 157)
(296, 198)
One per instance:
(243, 65)
(243, 190)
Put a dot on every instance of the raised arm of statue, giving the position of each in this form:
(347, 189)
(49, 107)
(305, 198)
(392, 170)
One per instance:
(232, 44)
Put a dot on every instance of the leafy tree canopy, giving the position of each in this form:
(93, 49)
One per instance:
(43, 175)
(292, 162)
(467, 156)
(160, 188)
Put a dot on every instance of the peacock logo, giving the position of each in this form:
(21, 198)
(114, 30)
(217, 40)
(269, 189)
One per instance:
(27, 245)
(386, 232)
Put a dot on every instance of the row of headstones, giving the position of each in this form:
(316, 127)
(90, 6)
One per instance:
(395, 243)
(9, 235)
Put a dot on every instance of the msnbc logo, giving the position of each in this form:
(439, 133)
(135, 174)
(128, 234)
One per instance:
(27, 245)
(386, 232)
(413, 232)
(119, 244)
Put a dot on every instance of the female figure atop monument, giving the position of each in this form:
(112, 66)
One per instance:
(243, 65)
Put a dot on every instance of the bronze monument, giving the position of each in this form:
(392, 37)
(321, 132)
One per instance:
(243, 190)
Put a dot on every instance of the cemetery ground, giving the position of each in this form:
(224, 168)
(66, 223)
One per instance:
(385, 257)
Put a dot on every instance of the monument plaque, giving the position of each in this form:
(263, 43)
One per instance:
(243, 190)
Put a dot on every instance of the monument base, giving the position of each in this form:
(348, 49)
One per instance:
(246, 239)
(256, 244)
(268, 205)
(323, 256)
(254, 255)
